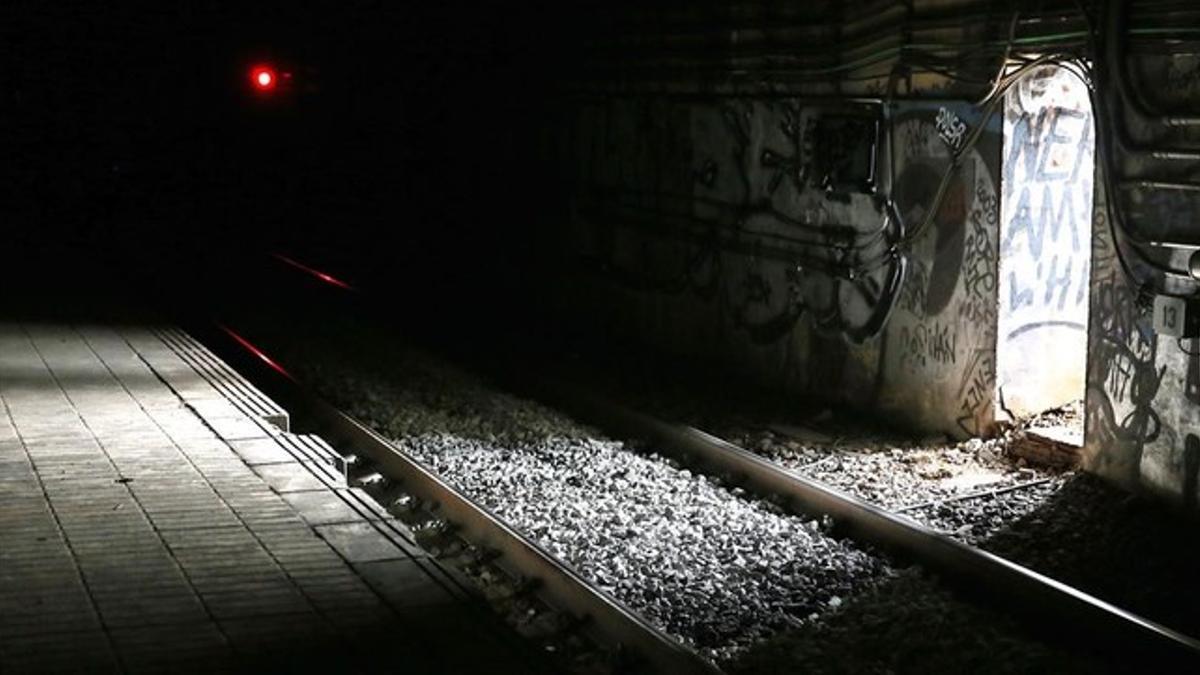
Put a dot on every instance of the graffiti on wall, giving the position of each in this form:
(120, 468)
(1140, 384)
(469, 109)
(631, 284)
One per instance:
(1045, 238)
(1142, 389)
(979, 269)
(1124, 374)
(751, 207)
(1045, 242)
(950, 128)
(949, 300)
(831, 261)
(928, 343)
(759, 227)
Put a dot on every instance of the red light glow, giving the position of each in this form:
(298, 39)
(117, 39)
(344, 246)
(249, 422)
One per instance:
(260, 354)
(327, 278)
(263, 78)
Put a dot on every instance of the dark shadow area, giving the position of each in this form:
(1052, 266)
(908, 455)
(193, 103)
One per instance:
(416, 151)
(403, 147)
(1127, 551)
(1137, 554)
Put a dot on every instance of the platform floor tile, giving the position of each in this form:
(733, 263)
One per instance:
(147, 524)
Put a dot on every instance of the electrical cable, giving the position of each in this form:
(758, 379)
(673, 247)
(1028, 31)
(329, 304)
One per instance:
(1006, 83)
(925, 56)
(1118, 230)
(1012, 36)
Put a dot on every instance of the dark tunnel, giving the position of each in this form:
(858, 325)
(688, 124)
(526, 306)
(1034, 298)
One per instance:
(600, 337)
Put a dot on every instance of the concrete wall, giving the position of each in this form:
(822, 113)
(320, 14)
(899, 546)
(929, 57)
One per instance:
(1045, 243)
(1143, 388)
(688, 162)
(688, 218)
(1143, 396)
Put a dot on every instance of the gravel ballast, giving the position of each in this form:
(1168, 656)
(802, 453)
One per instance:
(912, 624)
(710, 565)
(1069, 525)
(747, 585)
(967, 490)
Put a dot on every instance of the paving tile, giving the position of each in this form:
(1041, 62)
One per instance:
(293, 643)
(32, 546)
(195, 647)
(264, 509)
(238, 428)
(262, 600)
(63, 652)
(191, 539)
(205, 447)
(17, 490)
(371, 623)
(281, 634)
(262, 451)
(181, 425)
(215, 408)
(322, 507)
(360, 542)
(292, 477)
(346, 598)
(151, 571)
(16, 471)
(55, 615)
(151, 610)
(194, 520)
(404, 584)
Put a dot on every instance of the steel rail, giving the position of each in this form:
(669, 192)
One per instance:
(605, 618)
(980, 494)
(1096, 624)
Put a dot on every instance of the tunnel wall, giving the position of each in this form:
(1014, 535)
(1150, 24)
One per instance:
(689, 217)
(1143, 387)
(1143, 394)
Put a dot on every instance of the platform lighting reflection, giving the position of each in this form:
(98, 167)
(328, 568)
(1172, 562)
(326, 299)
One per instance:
(258, 353)
(327, 278)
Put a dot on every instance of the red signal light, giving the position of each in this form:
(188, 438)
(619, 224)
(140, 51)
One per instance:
(263, 78)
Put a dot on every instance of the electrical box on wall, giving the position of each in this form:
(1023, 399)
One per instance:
(846, 152)
(1176, 317)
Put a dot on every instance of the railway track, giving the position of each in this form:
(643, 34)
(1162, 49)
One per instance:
(639, 645)
(972, 496)
(609, 622)
(966, 491)
(1092, 623)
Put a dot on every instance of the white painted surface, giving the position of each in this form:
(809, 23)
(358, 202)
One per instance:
(1045, 243)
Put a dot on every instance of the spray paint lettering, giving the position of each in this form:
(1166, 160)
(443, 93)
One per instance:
(951, 129)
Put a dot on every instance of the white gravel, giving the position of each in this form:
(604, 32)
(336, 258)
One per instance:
(976, 519)
(894, 474)
(848, 450)
(969, 489)
(752, 588)
(718, 570)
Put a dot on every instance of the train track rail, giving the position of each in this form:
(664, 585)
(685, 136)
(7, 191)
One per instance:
(1092, 622)
(1095, 625)
(608, 621)
(972, 496)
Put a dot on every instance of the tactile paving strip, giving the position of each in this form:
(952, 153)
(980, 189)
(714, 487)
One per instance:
(224, 379)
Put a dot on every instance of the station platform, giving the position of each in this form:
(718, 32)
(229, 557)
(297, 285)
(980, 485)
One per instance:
(156, 516)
